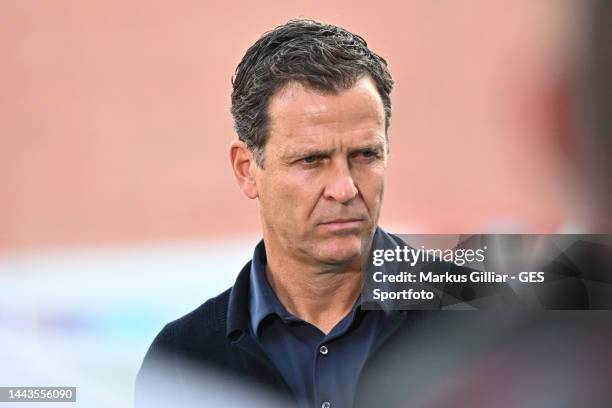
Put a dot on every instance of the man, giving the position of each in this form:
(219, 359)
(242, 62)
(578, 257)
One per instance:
(312, 109)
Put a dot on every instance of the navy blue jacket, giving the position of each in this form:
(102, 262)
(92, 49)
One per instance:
(208, 358)
(211, 349)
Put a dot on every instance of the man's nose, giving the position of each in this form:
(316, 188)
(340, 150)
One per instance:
(341, 186)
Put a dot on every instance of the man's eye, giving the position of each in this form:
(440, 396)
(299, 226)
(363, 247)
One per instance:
(366, 154)
(310, 159)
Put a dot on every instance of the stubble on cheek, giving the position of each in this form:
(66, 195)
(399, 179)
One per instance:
(374, 205)
(284, 211)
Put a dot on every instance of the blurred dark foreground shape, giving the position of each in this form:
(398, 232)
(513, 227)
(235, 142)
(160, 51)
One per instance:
(495, 359)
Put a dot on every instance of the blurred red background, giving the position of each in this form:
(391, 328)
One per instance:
(114, 115)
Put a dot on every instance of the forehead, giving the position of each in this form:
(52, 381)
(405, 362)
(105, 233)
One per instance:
(299, 113)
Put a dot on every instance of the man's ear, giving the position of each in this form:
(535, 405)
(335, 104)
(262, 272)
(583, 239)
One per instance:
(243, 163)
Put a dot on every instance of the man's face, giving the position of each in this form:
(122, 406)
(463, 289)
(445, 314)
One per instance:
(321, 185)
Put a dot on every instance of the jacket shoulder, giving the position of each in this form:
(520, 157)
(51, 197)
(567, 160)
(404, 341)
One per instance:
(207, 319)
(194, 340)
(199, 336)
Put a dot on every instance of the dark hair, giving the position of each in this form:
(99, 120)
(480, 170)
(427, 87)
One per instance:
(321, 56)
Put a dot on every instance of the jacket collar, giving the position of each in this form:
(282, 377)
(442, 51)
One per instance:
(238, 305)
(262, 299)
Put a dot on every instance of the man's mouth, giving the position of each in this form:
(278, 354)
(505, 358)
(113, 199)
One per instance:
(343, 224)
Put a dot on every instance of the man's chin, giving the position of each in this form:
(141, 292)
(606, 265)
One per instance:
(342, 249)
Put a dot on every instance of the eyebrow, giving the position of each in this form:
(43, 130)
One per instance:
(297, 154)
(376, 147)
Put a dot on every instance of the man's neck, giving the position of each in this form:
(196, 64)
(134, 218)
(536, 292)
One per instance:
(321, 296)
